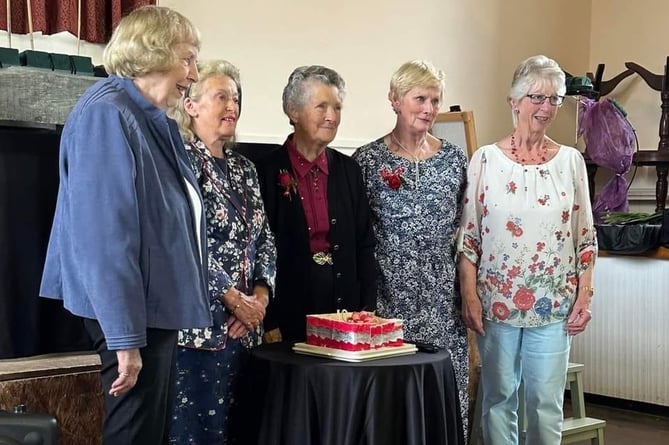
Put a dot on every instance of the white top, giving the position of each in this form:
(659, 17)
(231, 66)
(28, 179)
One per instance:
(197, 212)
(530, 230)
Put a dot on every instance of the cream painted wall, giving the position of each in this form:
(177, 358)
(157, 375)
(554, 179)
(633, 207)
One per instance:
(477, 43)
(624, 31)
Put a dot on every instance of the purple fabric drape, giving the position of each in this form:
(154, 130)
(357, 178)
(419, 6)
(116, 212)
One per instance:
(98, 19)
(609, 140)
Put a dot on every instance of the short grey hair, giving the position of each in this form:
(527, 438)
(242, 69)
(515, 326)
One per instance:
(207, 70)
(533, 71)
(296, 93)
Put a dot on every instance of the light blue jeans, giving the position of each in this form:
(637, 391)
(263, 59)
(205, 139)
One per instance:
(539, 356)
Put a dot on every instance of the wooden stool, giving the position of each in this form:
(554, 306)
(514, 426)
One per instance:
(576, 430)
(575, 383)
(579, 427)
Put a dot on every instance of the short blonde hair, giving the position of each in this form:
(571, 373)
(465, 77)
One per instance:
(207, 70)
(144, 41)
(417, 73)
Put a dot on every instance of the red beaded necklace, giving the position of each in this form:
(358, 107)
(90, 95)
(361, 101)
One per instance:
(542, 155)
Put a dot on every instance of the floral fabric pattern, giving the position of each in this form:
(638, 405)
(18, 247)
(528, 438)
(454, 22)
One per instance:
(202, 415)
(241, 253)
(530, 230)
(415, 224)
(240, 244)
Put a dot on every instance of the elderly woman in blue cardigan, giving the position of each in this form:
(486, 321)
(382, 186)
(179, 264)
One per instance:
(126, 251)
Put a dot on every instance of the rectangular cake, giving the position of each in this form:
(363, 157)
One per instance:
(354, 331)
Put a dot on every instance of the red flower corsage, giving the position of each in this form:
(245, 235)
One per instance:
(395, 180)
(288, 183)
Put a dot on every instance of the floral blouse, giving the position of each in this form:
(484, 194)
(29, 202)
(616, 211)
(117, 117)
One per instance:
(240, 244)
(530, 231)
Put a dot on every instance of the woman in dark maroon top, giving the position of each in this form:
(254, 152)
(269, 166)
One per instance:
(316, 206)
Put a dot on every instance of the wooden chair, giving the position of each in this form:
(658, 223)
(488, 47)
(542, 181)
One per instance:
(657, 158)
(652, 158)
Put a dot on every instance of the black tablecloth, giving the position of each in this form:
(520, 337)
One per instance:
(300, 400)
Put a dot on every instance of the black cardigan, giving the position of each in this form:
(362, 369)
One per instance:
(351, 238)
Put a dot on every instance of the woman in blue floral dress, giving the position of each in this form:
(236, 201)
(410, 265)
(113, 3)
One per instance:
(242, 261)
(415, 184)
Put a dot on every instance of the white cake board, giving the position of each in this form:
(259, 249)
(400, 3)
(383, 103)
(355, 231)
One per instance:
(355, 356)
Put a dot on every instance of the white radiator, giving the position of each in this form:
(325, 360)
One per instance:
(625, 348)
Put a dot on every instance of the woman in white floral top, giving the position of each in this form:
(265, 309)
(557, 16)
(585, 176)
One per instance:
(528, 246)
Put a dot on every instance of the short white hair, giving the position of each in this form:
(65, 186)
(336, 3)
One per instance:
(533, 71)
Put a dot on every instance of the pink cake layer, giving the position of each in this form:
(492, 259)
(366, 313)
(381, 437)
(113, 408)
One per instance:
(333, 331)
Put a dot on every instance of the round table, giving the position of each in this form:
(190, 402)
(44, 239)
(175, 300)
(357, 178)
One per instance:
(295, 399)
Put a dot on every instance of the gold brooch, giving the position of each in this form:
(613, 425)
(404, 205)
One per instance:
(322, 258)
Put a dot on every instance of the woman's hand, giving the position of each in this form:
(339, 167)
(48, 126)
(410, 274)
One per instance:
(253, 307)
(261, 296)
(129, 366)
(472, 314)
(236, 328)
(248, 310)
(580, 315)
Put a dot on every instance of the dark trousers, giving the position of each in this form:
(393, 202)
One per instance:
(143, 415)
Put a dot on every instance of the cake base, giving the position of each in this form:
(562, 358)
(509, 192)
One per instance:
(355, 356)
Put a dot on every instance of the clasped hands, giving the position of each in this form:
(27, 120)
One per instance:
(247, 312)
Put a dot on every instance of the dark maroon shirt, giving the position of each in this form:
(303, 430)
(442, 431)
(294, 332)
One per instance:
(312, 185)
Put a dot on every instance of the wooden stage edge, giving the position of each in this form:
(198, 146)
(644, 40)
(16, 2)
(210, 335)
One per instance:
(48, 365)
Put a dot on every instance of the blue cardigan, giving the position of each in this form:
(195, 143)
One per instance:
(124, 246)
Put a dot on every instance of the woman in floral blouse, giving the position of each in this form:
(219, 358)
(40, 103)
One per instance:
(528, 248)
(242, 260)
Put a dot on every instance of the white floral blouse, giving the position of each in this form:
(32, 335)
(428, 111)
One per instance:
(530, 231)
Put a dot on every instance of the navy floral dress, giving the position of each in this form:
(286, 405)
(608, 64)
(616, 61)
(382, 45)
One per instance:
(241, 253)
(416, 209)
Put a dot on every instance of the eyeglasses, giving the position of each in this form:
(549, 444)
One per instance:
(538, 99)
